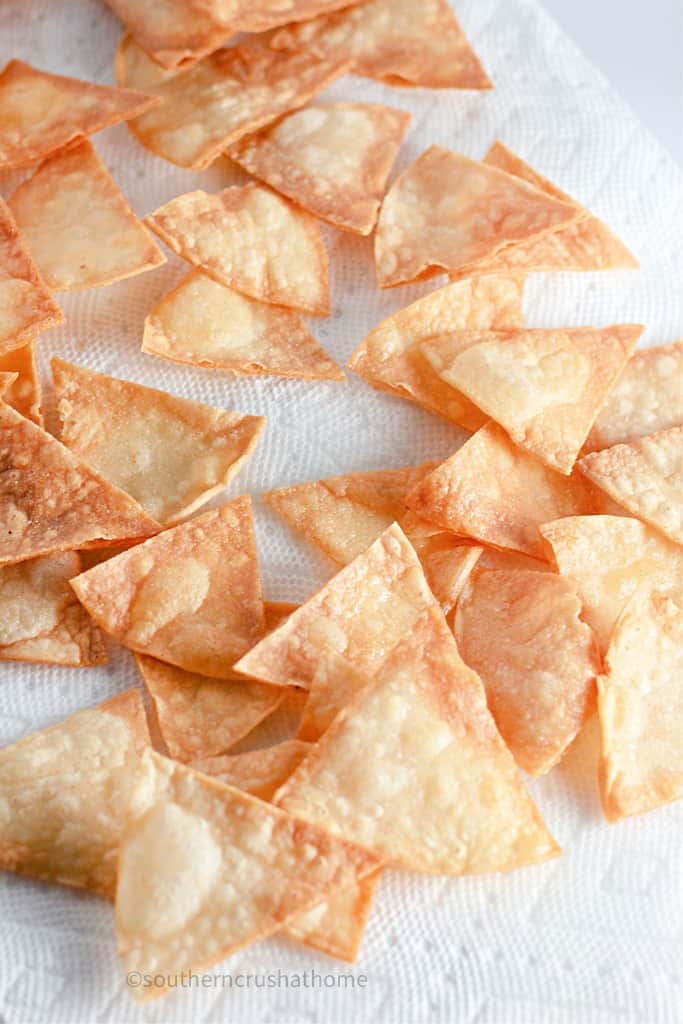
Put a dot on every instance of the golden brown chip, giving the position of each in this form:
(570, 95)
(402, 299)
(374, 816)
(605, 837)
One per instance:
(204, 323)
(41, 112)
(391, 359)
(333, 159)
(447, 212)
(23, 394)
(259, 772)
(190, 596)
(260, 15)
(205, 870)
(81, 231)
(397, 41)
(169, 453)
(7, 379)
(501, 559)
(336, 926)
(544, 387)
(135, 69)
(447, 560)
(250, 239)
(415, 769)
(175, 33)
(64, 794)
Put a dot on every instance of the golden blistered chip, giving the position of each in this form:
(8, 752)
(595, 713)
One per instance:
(259, 772)
(24, 392)
(261, 15)
(175, 35)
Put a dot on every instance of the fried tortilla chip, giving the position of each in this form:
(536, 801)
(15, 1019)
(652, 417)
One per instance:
(26, 305)
(175, 33)
(396, 41)
(228, 94)
(65, 793)
(135, 69)
(500, 559)
(523, 635)
(609, 557)
(7, 379)
(261, 15)
(448, 213)
(647, 398)
(205, 870)
(190, 596)
(24, 392)
(80, 229)
(640, 705)
(169, 453)
(545, 387)
(391, 359)
(333, 159)
(403, 769)
(498, 494)
(248, 238)
(204, 323)
(337, 925)
(447, 560)
(259, 772)
(41, 112)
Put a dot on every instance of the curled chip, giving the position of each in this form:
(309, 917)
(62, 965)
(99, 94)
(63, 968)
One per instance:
(24, 392)
(175, 35)
(259, 772)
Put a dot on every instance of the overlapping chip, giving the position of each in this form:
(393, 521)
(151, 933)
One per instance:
(260, 15)
(175, 35)
(259, 772)
(135, 69)
(24, 392)
(337, 925)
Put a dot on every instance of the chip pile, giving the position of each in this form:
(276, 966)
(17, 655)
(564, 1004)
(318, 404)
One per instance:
(482, 609)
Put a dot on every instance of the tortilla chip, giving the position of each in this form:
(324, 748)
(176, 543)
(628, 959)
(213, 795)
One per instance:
(259, 772)
(24, 393)
(7, 379)
(259, 16)
(232, 870)
(248, 238)
(545, 387)
(495, 558)
(174, 33)
(336, 926)
(41, 112)
(391, 359)
(171, 454)
(609, 557)
(498, 494)
(647, 398)
(26, 305)
(135, 69)
(80, 229)
(333, 159)
(449, 213)
(404, 767)
(640, 705)
(522, 633)
(203, 323)
(190, 596)
(447, 560)
(226, 95)
(396, 41)
(65, 793)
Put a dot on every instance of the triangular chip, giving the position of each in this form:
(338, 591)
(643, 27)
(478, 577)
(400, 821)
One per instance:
(522, 633)
(397, 41)
(169, 453)
(545, 387)
(641, 704)
(405, 767)
(205, 870)
(261, 15)
(65, 793)
(41, 112)
(609, 557)
(24, 393)
(500, 495)
(447, 212)
(49, 501)
(391, 358)
(250, 239)
(447, 560)
(333, 159)
(26, 305)
(135, 69)
(226, 95)
(647, 398)
(259, 772)
(204, 323)
(190, 596)
(81, 231)
(176, 35)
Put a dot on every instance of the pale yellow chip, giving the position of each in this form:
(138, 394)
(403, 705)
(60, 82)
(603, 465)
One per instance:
(397, 41)
(64, 794)
(204, 323)
(416, 770)
(647, 398)
(205, 870)
(448, 213)
(499, 494)
(41, 112)
(545, 387)
(259, 772)
(78, 225)
(252, 240)
(261, 15)
(23, 393)
(175, 33)
(333, 159)
(228, 94)
(190, 596)
(609, 557)
(170, 454)
(337, 925)
(641, 705)
(391, 359)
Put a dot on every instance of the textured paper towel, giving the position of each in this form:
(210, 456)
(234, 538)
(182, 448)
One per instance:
(595, 936)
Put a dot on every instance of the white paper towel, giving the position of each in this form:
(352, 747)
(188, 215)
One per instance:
(593, 937)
